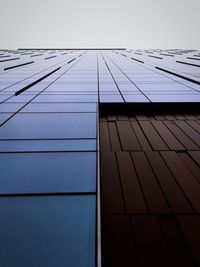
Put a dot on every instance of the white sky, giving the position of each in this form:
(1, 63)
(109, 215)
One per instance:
(100, 23)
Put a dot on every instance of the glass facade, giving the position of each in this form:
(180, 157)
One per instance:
(49, 117)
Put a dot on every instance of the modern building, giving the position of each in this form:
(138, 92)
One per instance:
(99, 158)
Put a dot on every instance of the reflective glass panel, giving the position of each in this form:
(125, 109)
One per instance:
(47, 172)
(46, 231)
(50, 125)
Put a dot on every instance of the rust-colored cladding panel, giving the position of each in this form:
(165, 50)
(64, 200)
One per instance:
(152, 135)
(118, 248)
(127, 136)
(132, 190)
(175, 241)
(151, 246)
(150, 189)
(191, 230)
(181, 136)
(112, 200)
(176, 198)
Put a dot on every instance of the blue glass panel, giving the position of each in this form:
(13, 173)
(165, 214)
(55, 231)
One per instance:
(61, 107)
(71, 87)
(47, 145)
(111, 98)
(4, 117)
(127, 87)
(173, 93)
(66, 98)
(163, 87)
(152, 79)
(135, 98)
(47, 231)
(21, 98)
(10, 107)
(108, 87)
(47, 172)
(50, 125)
(3, 97)
(175, 98)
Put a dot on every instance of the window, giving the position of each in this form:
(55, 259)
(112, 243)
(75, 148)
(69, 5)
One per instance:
(47, 172)
(53, 125)
(60, 107)
(47, 145)
(46, 231)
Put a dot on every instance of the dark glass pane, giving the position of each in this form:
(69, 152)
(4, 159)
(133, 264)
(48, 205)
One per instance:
(47, 172)
(47, 145)
(47, 231)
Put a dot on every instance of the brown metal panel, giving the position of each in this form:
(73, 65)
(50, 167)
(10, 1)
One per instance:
(105, 139)
(184, 177)
(179, 117)
(141, 117)
(111, 118)
(190, 117)
(167, 136)
(103, 119)
(176, 243)
(114, 138)
(150, 118)
(196, 156)
(181, 136)
(177, 200)
(132, 191)
(153, 137)
(111, 194)
(169, 117)
(141, 137)
(159, 117)
(191, 165)
(150, 243)
(145, 184)
(117, 242)
(189, 131)
(122, 118)
(190, 225)
(127, 136)
(132, 118)
(152, 192)
(194, 125)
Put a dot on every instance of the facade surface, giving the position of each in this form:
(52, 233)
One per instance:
(99, 156)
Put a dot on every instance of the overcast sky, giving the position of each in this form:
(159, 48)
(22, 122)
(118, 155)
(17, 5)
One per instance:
(100, 23)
